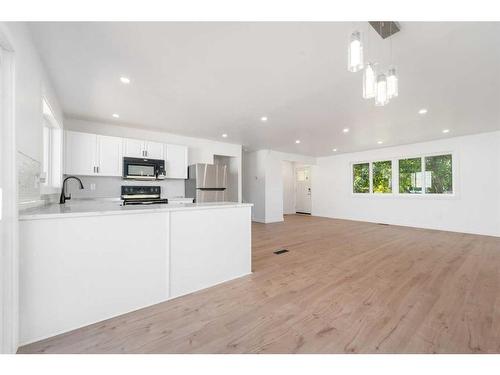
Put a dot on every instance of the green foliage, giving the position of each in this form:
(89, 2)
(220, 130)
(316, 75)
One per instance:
(361, 178)
(441, 174)
(409, 169)
(382, 176)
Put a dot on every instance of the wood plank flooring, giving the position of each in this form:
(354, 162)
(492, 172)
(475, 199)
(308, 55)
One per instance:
(343, 287)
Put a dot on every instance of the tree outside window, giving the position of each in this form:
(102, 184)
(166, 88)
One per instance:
(361, 178)
(382, 176)
(439, 174)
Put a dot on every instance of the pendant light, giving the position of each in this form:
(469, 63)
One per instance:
(392, 83)
(369, 81)
(381, 98)
(392, 78)
(355, 52)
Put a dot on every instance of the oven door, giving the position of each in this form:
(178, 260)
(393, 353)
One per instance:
(139, 169)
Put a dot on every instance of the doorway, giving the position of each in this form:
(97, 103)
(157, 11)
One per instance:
(297, 197)
(303, 190)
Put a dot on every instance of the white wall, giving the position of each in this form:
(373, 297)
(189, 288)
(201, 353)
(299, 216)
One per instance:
(288, 175)
(263, 182)
(200, 150)
(474, 209)
(254, 189)
(30, 85)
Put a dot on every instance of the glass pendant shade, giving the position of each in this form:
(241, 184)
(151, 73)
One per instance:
(355, 53)
(381, 97)
(392, 83)
(369, 80)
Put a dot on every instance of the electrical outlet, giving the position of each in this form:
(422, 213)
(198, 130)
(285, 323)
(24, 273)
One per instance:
(92, 187)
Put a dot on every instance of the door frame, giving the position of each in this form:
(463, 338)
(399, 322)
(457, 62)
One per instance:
(9, 260)
(298, 167)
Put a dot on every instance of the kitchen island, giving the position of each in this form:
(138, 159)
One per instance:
(84, 262)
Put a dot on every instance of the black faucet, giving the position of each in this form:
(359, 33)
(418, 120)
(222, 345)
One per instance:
(63, 197)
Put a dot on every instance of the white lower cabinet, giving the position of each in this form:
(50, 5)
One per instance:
(92, 155)
(76, 271)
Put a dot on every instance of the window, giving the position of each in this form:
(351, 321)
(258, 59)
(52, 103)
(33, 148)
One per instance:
(438, 174)
(410, 176)
(431, 174)
(52, 151)
(382, 176)
(361, 178)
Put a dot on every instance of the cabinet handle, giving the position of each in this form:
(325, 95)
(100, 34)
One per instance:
(94, 169)
(97, 169)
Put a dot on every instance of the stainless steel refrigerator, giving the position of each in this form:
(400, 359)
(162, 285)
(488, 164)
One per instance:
(207, 183)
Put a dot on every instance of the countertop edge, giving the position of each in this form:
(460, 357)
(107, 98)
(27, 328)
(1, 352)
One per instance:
(44, 216)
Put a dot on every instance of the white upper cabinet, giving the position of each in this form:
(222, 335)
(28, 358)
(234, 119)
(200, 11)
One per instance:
(136, 148)
(176, 161)
(80, 153)
(92, 155)
(110, 156)
(133, 148)
(154, 150)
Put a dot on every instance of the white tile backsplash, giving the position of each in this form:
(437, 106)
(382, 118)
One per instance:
(110, 187)
(28, 178)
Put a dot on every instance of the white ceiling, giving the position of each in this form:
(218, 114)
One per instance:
(206, 79)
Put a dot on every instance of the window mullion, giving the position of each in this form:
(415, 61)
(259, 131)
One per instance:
(370, 174)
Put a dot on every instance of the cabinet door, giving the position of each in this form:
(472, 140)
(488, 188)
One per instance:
(133, 148)
(109, 156)
(176, 161)
(80, 153)
(155, 150)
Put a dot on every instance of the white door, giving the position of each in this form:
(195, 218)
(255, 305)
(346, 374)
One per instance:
(81, 149)
(109, 156)
(154, 150)
(133, 148)
(176, 161)
(303, 192)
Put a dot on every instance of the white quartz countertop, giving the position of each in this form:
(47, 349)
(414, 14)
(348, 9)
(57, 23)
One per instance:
(103, 207)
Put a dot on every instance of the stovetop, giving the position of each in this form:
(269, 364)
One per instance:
(142, 195)
(132, 201)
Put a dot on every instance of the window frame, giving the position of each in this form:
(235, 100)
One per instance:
(395, 177)
(49, 121)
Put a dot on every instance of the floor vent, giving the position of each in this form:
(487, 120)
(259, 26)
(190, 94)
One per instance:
(280, 251)
(382, 224)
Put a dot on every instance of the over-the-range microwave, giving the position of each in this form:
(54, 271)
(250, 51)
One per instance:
(143, 169)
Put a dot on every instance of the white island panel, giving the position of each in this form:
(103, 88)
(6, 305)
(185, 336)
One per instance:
(208, 248)
(80, 270)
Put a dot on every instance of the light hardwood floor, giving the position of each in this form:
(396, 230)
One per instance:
(344, 287)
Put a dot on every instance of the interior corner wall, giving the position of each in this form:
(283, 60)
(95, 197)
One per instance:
(288, 174)
(263, 182)
(254, 183)
(475, 208)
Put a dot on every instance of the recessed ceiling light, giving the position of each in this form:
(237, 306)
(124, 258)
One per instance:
(115, 115)
(345, 130)
(297, 141)
(379, 142)
(446, 131)
(224, 135)
(263, 119)
(423, 111)
(125, 80)
(334, 150)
